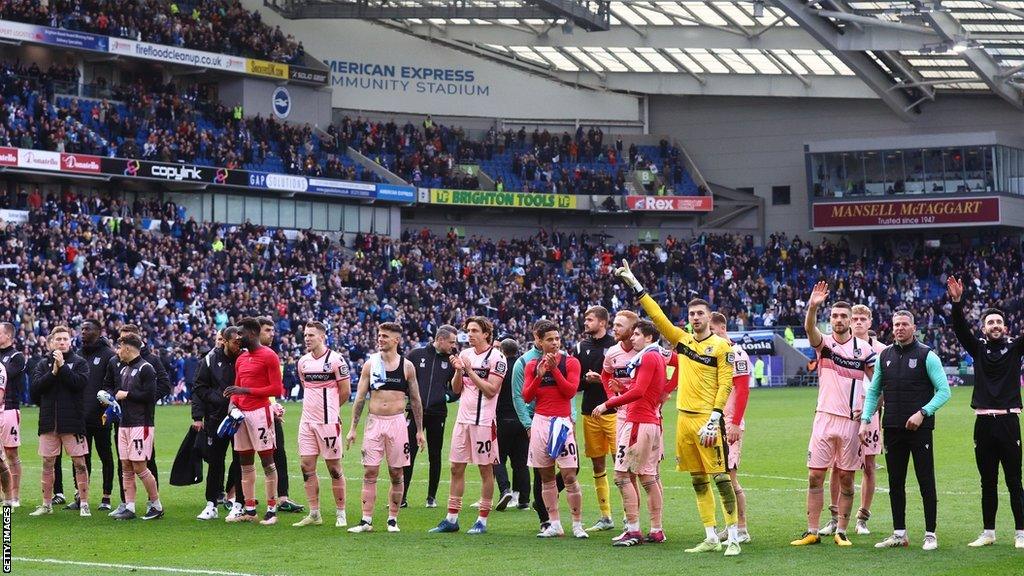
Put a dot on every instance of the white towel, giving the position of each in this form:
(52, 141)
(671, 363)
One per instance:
(378, 375)
(635, 362)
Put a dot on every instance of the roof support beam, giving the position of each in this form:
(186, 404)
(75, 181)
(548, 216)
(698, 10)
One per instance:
(767, 85)
(1003, 8)
(866, 68)
(661, 37)
(950, 29)
(871, 21)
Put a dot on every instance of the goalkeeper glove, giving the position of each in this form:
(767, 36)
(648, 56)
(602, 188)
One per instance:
(230, 424)
(709, 433)
(629, 278)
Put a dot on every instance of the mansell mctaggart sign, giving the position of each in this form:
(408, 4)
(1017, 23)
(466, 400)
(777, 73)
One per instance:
(886, 214)
(502, 199)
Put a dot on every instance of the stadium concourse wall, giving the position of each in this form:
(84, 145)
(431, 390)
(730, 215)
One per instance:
(293, 103)
(373, 67)
(758, 143)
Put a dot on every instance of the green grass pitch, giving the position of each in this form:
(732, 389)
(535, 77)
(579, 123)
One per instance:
(772, 472)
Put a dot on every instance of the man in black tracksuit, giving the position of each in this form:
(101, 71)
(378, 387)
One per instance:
(163, 388)
(57, 383)
(97, 353)
(910, 377)
(997, 404)
(513, 443)
(598, 431)
(10, 425)
(209, 407)
(135, 389)
(434, 375)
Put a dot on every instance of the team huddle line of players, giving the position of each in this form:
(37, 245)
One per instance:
(628, 376)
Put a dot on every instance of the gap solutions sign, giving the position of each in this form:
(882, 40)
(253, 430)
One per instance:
(491, 199)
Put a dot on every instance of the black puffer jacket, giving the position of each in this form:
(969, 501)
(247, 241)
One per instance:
(97, 357)
(138, 379)
(60, 397)
(216, 372)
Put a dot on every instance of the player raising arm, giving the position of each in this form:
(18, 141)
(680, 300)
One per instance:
(705, 384)
(843, 362)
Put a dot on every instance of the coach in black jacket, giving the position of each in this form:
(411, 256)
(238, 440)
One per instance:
(57, 384)
(433, 374)
(209, 406)
(97, 353)
(997, 405)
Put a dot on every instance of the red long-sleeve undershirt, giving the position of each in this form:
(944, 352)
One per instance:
(552, 400)
(741, 391)
(647, 387)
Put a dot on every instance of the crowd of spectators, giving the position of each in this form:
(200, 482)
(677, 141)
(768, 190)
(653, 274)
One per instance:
(219, 26)
(150, 120)
(190, 279)
(429, 154)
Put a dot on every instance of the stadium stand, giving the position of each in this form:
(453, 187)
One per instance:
(221, 26)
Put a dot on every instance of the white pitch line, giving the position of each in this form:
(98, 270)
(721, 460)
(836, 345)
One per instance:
(133, 567)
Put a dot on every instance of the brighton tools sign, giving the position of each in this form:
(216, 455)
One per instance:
(502, 199)
(943, 212)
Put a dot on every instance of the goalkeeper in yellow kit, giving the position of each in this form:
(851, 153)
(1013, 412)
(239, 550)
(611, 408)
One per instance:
(705, 381)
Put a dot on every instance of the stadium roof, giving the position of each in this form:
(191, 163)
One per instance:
(906, 53)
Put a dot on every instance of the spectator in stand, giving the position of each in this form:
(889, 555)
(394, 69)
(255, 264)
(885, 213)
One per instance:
(220, 26)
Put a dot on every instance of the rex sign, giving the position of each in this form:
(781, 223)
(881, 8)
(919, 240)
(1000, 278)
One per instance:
(884, 214)
(669, 203)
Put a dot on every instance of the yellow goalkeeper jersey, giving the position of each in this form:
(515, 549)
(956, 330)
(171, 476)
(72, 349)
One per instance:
(705, 377)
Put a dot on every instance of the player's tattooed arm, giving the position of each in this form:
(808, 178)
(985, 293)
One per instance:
(415, 402)
(357, 406)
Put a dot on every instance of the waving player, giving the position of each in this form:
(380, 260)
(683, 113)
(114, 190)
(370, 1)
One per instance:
(705, 384)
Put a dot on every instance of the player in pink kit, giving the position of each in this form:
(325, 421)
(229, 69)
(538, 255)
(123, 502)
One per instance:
(639, 443)
(735, 408)
(257, 379)
(860, 325)
(843, 362)
(390, 381)
(615, 374)
(325, 379)
(479, 371)
(551, 381)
